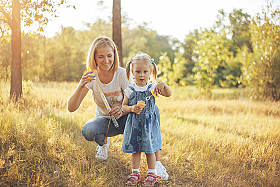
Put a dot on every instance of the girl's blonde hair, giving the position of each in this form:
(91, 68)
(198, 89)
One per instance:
(142, 58)
(99, 42)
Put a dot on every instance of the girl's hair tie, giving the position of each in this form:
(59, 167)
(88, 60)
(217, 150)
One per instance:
(152, 60)
(131, 59)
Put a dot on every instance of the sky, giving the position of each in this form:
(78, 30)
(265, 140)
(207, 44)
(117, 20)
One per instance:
(168, 17)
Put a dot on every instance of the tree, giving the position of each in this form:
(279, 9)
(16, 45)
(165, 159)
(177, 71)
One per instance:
(31, 56)
(14, 23)
(213, 55)
(190, 55)
(261, 69)
(5, 58)
(12, 13)
(165, 69)
(68, 58)
(117, 31)
(240, 29)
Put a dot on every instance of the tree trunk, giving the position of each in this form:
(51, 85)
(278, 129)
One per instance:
(16, 77)
(117, 31)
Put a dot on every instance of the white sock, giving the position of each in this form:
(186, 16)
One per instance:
(152, 171)
(136, 170)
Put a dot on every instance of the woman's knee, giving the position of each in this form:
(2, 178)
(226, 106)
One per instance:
(95, 130)
(88, 133)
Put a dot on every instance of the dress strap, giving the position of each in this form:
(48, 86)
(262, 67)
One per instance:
(131, 88)
(149, 87)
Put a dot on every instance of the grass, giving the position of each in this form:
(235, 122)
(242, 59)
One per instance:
(227, 140)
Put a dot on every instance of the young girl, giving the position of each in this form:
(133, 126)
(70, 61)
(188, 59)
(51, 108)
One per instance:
(142, 130)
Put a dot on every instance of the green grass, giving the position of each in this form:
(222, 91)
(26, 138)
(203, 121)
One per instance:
(227, 140)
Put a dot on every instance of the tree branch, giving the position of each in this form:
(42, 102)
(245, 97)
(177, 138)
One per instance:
(6, 15)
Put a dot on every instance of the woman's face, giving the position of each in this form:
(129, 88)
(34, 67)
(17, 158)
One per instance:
(104, 58)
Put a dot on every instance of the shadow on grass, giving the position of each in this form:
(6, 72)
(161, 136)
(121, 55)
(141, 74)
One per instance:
(224, 130)
(64, 158)
(113, 172)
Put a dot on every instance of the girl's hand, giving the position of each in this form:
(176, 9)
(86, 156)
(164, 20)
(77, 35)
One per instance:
(116, 112)
(163, 89)
(159, 88)
(136, 109)
(86, 78)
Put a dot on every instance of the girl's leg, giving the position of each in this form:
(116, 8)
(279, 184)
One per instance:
(135, 160)
(134, 177)
(151, 160)
(152, 178)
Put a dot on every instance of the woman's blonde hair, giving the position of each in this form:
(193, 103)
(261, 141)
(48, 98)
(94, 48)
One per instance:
(143, 58)
(99, 42)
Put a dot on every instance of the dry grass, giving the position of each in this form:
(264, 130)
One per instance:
(225, 141)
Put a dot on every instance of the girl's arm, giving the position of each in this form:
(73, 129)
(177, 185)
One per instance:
(136, 109)
(163, 89)
(76, 99)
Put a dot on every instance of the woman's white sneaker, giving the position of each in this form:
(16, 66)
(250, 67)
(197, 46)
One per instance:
(161, 171)
(102, 151)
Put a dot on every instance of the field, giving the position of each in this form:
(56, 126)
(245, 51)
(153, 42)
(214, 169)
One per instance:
(224, 141)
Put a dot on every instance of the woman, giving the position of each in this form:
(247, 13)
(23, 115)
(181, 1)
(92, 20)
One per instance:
(104, 62)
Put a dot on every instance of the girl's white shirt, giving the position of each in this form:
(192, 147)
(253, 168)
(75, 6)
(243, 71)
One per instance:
(113, 92)
(128, 91)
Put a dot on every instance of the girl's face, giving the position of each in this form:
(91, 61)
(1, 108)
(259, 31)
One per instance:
(141, 73)
(104, 58)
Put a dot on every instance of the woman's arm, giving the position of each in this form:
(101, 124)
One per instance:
(76, 99)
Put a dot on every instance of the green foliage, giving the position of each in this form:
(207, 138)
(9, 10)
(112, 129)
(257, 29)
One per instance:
(27, 86)
(5, 58)
(32, 55)
(68, 55)
(172, 73)
(213, 55)
(62, 57)
(180, 71)
(31, 12)
(261, 69)
(237, 51)
(165, 69)
(143, 39)
(190, 56)
(240, 30)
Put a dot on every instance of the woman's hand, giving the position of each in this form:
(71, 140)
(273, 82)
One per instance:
(116, 112)
(86, 78)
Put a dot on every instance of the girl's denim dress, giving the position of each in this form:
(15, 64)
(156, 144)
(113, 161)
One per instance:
(142, 131)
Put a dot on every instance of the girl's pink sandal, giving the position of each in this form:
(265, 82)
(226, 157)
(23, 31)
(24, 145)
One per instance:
(133, 178)
(151, 179)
